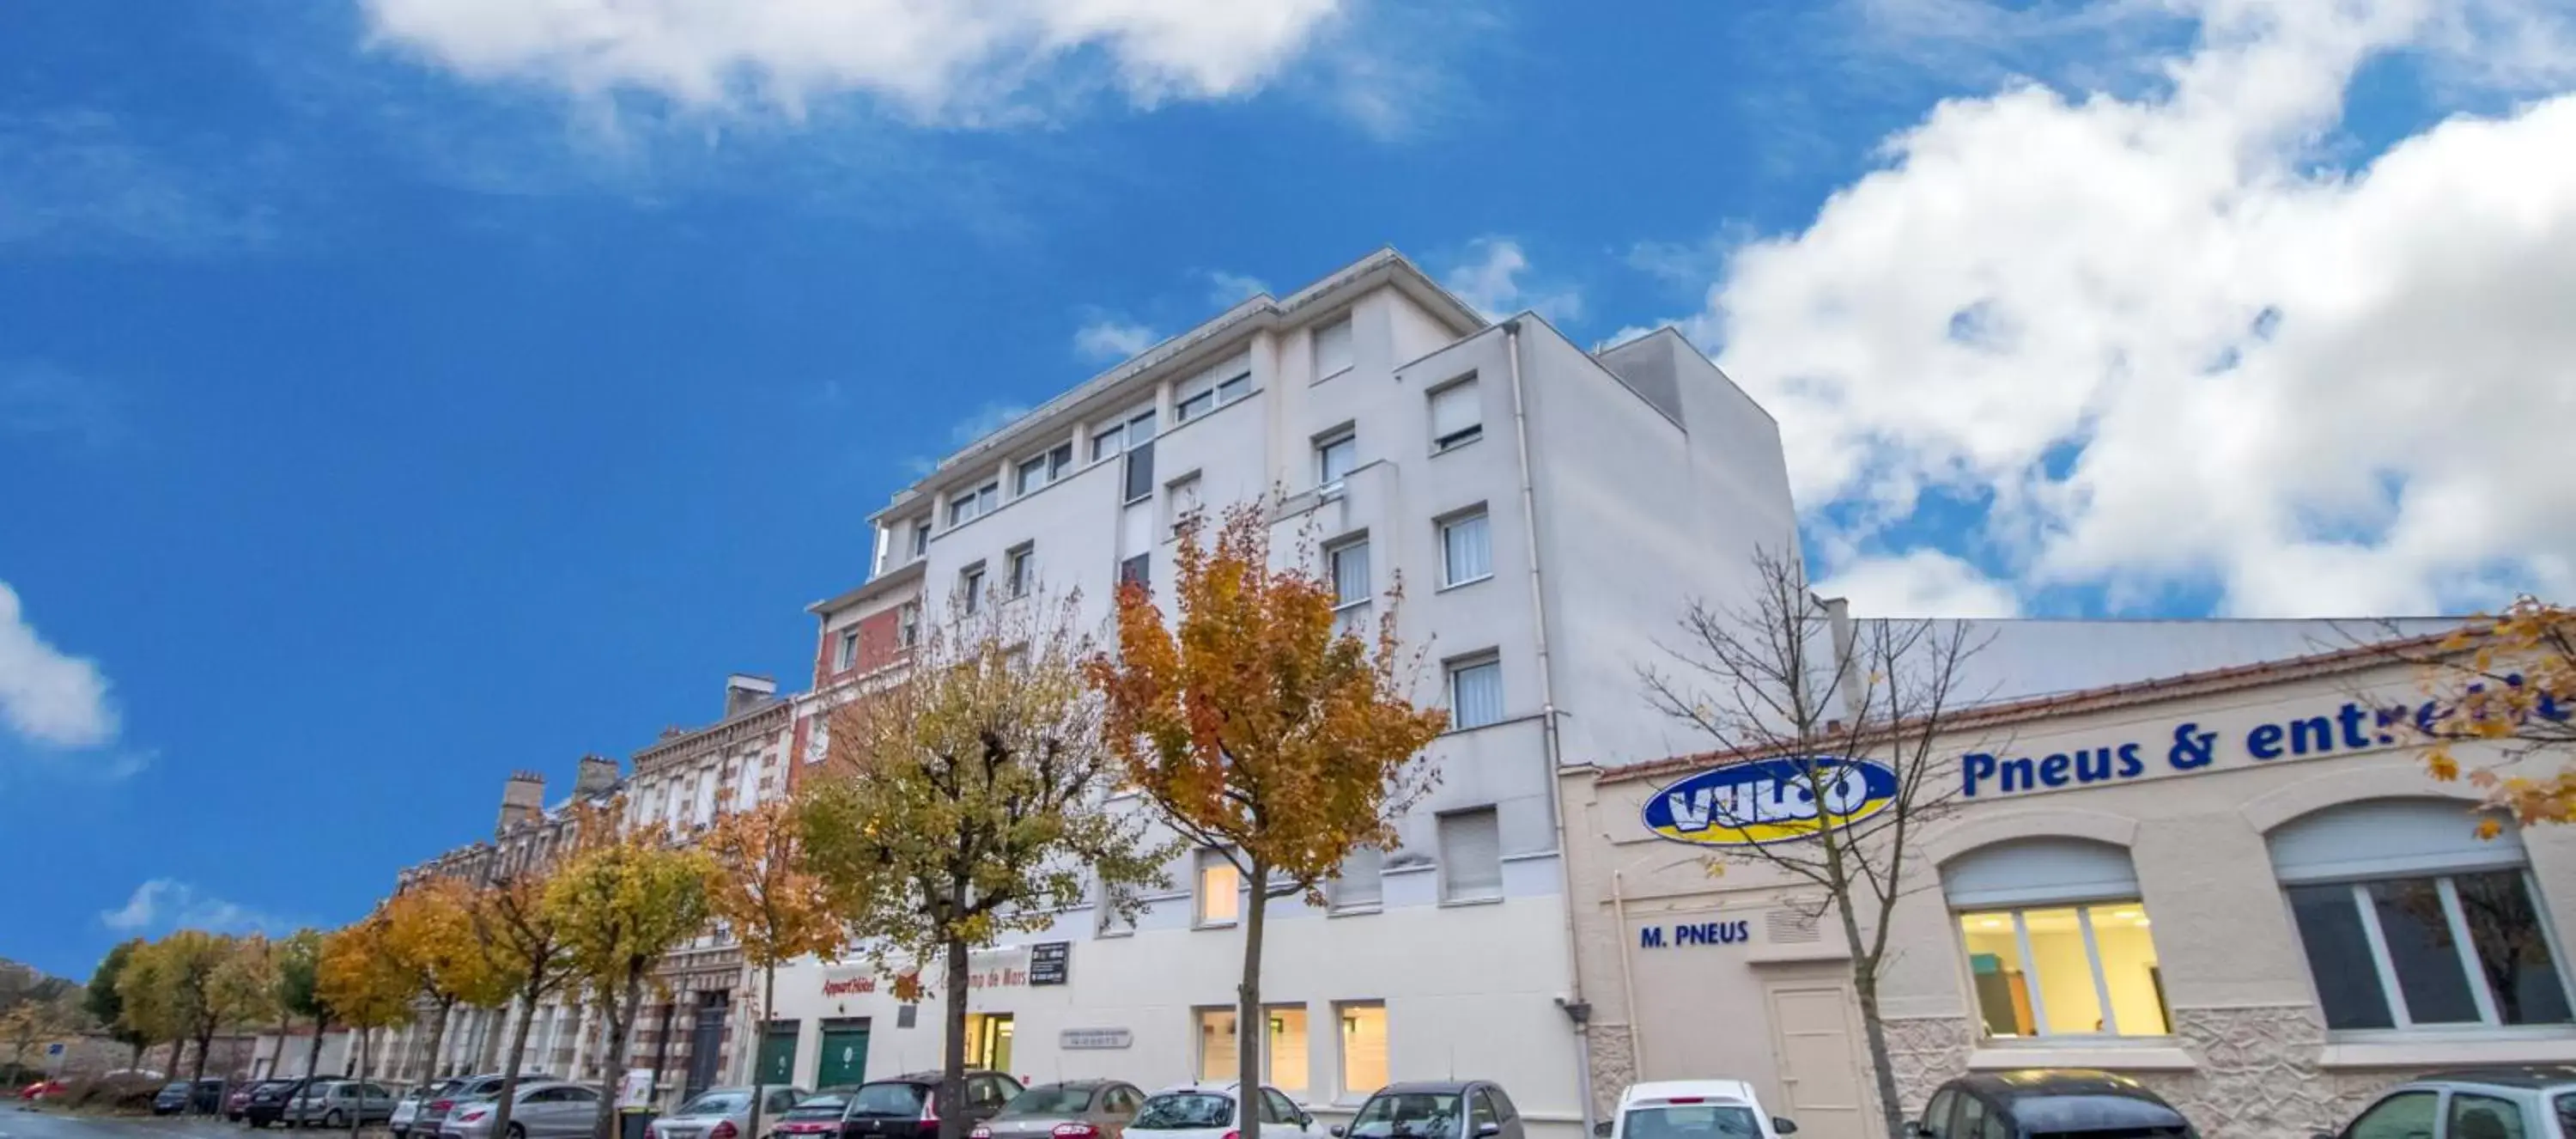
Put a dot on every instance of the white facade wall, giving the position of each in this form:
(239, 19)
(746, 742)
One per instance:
(1469, 990)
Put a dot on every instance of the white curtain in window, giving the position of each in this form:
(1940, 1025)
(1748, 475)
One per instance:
(1454, 409)
(1351, 572)
(1465, 550)
(1471, 855)
(1332, 347)
(1476, 694)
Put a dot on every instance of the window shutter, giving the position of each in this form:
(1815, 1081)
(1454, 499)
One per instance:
(2038, 871)
(1361, 883)
(1471, 855)
(1332, 347)
(2388, 837)
(1454, 409)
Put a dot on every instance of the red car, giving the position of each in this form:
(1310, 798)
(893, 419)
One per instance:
(40, 1089)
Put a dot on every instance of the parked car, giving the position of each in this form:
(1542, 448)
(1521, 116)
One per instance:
(816, 1115)
(1692, 1109)
(203, 1096)
(267, 1102)
(2050, 1102)
(544, 1109)
(907, 1107)
(2475, 1103)
(237, 1100)
(433, 1113)
(725, 1113)
(407, 1108)
(40, 1089)
(1075, 1109)
(1445, 1109)
(333, 1103)
(1207, 1111)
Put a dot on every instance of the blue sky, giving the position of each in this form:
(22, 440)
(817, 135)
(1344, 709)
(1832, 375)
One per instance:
(395, 393)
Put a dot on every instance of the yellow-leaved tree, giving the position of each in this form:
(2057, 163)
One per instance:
(776, 906)
(429, 934)
(967, 800)
(522, 948)
(1262, 733)
(618, 906)
(363, 982)
(2502, 712)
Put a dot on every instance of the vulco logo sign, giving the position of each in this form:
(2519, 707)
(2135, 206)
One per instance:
(1770, 800)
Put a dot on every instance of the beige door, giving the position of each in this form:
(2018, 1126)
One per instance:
(1820, 1061)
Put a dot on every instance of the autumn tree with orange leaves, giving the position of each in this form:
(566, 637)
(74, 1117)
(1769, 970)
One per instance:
(366, 988)
(778, 908)
(429, 935)
(1259, 731)
(2505, 686)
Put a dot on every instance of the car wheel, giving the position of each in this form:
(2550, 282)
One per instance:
(518, 1132)
(331, 1119)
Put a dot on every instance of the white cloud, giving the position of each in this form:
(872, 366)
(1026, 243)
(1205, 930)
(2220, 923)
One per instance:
(1108, 338)
(953, 62)
(1919, 583)
(1490, 281)
(2174, 345)
(167, 903)
(46, 696)
(986, 420)
(1225, 290)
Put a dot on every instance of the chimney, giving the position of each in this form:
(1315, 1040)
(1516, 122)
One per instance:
(523, 798)
(597, 775)
(1846, 670)
(744, 692)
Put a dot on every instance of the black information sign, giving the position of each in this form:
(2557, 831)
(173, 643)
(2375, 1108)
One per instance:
(1049, 962)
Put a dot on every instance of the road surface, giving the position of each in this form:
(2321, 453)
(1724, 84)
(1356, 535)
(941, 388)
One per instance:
(18, 1122)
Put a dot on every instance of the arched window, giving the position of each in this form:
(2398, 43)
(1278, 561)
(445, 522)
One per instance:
(2408, 918)
(2057, 939)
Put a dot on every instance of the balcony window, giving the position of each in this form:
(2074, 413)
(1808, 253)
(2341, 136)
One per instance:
(1335, 455)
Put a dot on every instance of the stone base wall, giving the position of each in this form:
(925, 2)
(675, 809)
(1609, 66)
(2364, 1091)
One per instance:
(1614, 1064)
(2254, 1077)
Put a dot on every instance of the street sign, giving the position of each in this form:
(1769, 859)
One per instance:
(1085, 1038)
(1049, 962)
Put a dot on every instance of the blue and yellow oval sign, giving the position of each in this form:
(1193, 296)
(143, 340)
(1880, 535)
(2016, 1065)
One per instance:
(1770, 800)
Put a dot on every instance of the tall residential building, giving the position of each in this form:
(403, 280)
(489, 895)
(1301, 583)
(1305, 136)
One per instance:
(1549, 510)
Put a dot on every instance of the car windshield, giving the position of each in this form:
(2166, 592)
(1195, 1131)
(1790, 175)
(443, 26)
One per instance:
(1692, 1121)
(181, 1086)
(887, 1099)
(2079, 1114)
(717, 1103)
(1176, 1111)
(1050, 1099)
(1408, 1115)
(814, 1107)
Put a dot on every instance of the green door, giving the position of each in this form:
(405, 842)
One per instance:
(778, 1052)
(845, 1055)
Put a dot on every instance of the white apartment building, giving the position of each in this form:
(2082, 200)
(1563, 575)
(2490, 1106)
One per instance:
(1549, 511)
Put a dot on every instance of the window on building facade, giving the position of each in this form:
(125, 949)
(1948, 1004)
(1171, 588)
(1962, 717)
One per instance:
(1036, 471)
(1348, 564)
(1180, 501)
(1335, 454)
(970, 589)
(1023, 570)
(1206, 394)
(2056, 939)
(845, 651)
(1362, 884)
(1121, 434)
(1140, 471)
(1471, 856)
(1283, 1057)
(1220, 889)
(1136, 569)
(974, 504)
(1466, 549)
(1475, 691)
(1457, 416)
(2408, 919)
(1219, 1054)
(1363, 1049)
(1333, 348)
(1234, 388)
(921, 538)
(907, 629)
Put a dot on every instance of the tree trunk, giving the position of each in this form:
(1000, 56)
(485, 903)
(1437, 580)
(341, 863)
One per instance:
(134, 1054)
(313, 1055)
(437, 1036)
(358, 1106)
(510, 1066)
(1251, 1029)
(759, 1040)
(205, 1044)
(621, 1013)
(1864, 969)
(952, 1080)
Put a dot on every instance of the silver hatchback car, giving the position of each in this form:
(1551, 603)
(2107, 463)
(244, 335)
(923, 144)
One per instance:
(2477, 1103)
